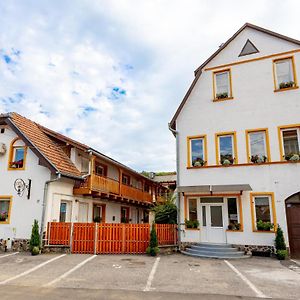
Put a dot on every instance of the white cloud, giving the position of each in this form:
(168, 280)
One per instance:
(74, 53)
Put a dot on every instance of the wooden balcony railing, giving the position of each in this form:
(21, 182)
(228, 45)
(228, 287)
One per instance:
(95, 183)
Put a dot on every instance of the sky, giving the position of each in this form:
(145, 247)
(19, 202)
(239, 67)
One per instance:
(111, 74)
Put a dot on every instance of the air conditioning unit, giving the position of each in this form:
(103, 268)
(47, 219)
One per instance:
(2, 148)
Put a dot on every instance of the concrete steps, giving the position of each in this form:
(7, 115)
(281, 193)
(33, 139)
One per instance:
(222, 251)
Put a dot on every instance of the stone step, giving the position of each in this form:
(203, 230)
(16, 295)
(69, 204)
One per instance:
(218, 256)
(213, 245)
(213, 253)
(214, 249)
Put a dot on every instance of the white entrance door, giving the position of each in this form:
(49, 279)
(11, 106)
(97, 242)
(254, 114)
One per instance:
(212, 225)
(83, 213)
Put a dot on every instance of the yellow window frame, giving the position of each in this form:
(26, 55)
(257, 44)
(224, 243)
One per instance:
(7, 198)
(217, 145)
(276, 87)
(189, 146)
(272, 210)
(280, 138)
(11, 154)
(248, 148)
(230, 97)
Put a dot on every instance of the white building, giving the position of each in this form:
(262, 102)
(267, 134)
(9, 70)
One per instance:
(238, 137)
(49, 177)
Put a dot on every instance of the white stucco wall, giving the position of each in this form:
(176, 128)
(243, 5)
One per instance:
(255, 105)
(23, 211)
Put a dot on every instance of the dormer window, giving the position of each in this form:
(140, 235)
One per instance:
(222, 85)
(17, 155)
(284, 74)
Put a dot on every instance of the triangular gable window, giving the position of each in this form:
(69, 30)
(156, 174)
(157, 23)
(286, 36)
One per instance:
(248, 48)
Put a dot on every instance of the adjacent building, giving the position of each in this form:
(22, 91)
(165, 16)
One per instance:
(238, 137)
(52, 178)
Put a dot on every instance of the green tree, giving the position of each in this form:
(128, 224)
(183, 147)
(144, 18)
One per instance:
(153, 245)
(279, 240)
(166, 213)
(35, 237)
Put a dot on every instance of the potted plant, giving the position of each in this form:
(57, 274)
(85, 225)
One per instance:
(35, 242)
(192, 224)
(234, 226)
(153, 249)
(280, 245)
(256, 159)
(284, 85)
(227, 159)
(3, 216)
(264, 226)
(222, 95)
(292, 157)
(199, 162)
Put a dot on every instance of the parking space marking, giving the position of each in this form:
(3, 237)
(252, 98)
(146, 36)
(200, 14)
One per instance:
(31, 270)
(257, 292)
(151, 275)
(9, 254)
(69, 272)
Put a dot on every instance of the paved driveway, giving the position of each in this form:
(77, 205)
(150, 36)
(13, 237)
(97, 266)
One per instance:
(254, 277)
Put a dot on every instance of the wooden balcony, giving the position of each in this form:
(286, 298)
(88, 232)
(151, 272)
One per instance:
(99, 186)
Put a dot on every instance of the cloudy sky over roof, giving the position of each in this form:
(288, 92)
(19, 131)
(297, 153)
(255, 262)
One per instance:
(111, 73)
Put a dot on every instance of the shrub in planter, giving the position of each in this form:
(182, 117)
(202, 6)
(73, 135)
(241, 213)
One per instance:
(264, 226)
(282, 254)
(153, 249)
(280, 245)
(35, 241)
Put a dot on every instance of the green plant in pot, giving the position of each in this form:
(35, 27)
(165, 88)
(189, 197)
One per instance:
(192, 224)
(264, 226)
(153, 249)
(227, 159)
(288, 84)
(222, 95)
(199, 162)
(293, 157)
(281, 251)
(35, 242)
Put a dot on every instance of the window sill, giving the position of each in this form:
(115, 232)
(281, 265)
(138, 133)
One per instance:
(2, 222)
(192, 229)
(222, 99)
(247, 164)
(16, 169)
(264, 231)
(286, 89)
(228, 230)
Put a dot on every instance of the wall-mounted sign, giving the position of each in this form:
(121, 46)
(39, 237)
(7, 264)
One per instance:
(20, 186)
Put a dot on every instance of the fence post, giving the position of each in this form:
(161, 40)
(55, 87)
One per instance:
(175, 234)
(95, 238)
(123, 238)
(71, 238)
(49, 231)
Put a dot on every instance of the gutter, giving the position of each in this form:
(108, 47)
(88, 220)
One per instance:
(45, 202)
(176, 134)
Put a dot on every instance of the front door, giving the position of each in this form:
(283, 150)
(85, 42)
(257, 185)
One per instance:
(293, 222)
(212, 222)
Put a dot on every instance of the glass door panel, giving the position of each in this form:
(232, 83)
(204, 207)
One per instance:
(216, 216)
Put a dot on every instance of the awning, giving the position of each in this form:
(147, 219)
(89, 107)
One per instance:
(214, 188)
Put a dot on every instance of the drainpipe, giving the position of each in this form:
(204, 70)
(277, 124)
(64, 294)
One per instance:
(176, 133)
(45, 202)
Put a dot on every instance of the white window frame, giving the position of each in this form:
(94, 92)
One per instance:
(68, 210)
(190, 148)
(270, 207)
(292, 75)
(282, 141)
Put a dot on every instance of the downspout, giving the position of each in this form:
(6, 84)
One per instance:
(176, 133)
(45, 202)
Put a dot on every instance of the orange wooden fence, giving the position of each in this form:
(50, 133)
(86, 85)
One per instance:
(104, 238)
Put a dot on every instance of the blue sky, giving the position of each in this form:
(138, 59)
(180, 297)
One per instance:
(112, 73)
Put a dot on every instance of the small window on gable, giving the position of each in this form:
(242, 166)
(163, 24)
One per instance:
(284, 74)
(197, 151)
(222, 85)
(17, 156)
(248, 49)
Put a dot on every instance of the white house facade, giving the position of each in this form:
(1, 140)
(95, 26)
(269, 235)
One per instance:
(52, 178)
(238, 139)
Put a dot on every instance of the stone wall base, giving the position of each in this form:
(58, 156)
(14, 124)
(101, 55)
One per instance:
(256, 249)
(19, 245)
(56, 249)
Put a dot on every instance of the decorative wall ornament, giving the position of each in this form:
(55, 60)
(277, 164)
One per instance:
(20, 186)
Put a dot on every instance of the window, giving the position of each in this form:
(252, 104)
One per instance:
(289, 139)
(125, 215)
(258, 150)
(222, 85)
(192, 209)
(5, 207)
(17, 155)
(100, 169)
(125, 179)
(232, 212)
(284, 74)
(226, 148)
(65, 211)
(263, 212)
(197, 151)
(99, 213)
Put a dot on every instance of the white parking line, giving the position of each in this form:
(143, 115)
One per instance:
(9, 254)
(257, 292)
(31, 270)
(69, 272)
(151, 275)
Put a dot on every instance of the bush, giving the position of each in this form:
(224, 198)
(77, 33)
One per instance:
(153, 245)
(166, 213)
(281, 254)
(35, 250)
(265, 226)
(35, 237)
(191, 223)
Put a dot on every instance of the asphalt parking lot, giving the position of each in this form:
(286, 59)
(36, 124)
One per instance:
(253, 277)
